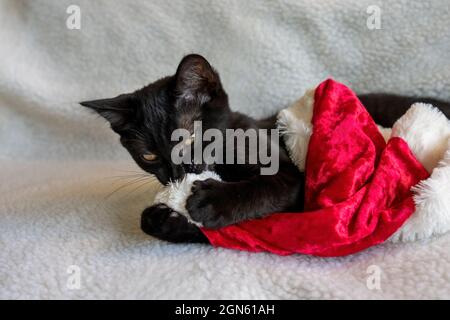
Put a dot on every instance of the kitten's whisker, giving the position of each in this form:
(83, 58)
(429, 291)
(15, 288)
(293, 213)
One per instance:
(131, 171)
(125, 176)
(144, 173)
(138, 187)
(136, 180)
(121, 177)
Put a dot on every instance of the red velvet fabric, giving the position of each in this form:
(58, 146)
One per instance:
(358, 188)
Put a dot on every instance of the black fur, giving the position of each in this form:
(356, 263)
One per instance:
(163, 223)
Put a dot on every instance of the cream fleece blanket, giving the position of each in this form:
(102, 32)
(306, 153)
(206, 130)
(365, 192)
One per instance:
(57, 161)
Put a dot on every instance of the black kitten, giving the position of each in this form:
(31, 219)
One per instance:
(146, 119)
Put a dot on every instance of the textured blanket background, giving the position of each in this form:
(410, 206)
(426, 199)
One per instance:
(58, 162)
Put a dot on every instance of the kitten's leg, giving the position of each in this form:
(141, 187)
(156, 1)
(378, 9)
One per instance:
(217, 204)
(163, 223)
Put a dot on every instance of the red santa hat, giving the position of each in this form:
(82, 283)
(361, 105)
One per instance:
(365, 184)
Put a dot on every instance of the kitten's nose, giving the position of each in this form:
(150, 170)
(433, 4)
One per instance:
(177, 172)
(194, 168)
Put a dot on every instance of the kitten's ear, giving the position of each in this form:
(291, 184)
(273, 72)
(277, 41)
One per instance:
(118, 111)
(196, 79)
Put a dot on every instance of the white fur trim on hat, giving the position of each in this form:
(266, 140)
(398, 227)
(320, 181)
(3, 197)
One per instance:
(295, 127)
(427, 132)
(432, 199)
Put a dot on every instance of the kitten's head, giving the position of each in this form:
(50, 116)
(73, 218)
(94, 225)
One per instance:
(145, 119)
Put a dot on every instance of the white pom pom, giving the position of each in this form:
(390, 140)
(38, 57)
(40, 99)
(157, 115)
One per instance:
(426, 130)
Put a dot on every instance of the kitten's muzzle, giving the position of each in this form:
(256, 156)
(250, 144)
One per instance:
(194, 168)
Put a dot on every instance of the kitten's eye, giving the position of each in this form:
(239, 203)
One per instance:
(150, 157)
